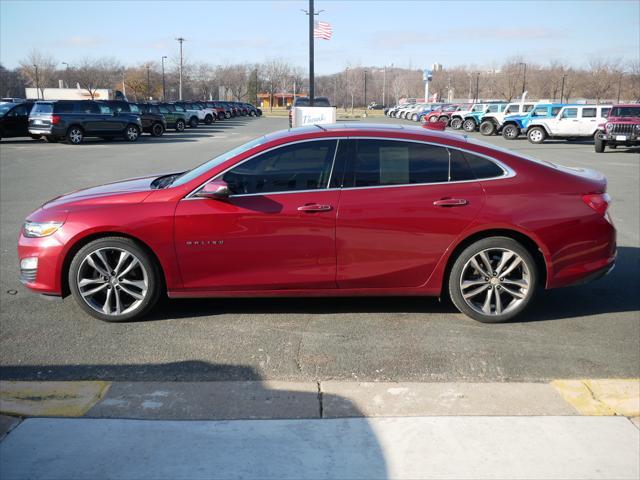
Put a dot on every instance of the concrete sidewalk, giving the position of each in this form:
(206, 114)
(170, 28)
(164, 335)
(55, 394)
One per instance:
(572, 447)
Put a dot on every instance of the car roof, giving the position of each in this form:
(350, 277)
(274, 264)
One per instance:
(360, 129)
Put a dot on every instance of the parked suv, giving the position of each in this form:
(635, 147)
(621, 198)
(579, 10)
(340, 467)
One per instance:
(153, 123)
(513, 125)
(622, 128)
(192, 113)
(571, 122)
(457, 117)
(74, 120)
(473, 119)
(14, 120)
(491, 122)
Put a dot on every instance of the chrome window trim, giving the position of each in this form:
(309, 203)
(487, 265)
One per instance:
(508, 172)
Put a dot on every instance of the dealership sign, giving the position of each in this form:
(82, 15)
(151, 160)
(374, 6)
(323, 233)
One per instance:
(313, 116)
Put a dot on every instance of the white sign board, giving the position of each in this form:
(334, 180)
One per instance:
(313, 116)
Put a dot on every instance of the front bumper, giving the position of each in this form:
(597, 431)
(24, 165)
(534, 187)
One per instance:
(49, 251)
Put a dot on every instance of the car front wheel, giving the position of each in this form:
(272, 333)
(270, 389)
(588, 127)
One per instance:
(456, 123)
(493, 280)
(115, 280)
(157, 130)
(180, 125)
(600, 143)
(131, 133)
(510, 132)
(469, 125)
(487, 128)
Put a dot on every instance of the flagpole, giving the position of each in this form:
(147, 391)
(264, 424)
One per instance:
(311, 79)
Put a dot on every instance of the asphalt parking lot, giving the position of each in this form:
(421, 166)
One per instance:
(590, 331)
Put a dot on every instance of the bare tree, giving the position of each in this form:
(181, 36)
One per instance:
(602, 76)
(94, 74)
(11, 83)
(275, 73)
(39, 69)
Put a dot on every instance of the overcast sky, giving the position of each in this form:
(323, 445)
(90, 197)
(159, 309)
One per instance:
(368, 33)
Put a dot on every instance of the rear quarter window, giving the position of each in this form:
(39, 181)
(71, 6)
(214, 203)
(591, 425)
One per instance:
(481, 167)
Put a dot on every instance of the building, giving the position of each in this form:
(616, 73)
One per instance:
(279, 99)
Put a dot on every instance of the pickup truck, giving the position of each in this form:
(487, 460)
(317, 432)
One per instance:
(622, 128)
(473, 119)
(491, 122)
(570, 122)
(513, 125)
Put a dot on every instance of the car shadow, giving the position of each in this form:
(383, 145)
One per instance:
(284, 446)
(599, 297)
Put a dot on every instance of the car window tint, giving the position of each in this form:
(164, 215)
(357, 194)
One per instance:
(570, 113)
(540, 112)
(301, 166)
(493, 108)
(67, 107)
(43, 108)
(588, 112)
(133, 108)
(459, 167)
(527, 108)
(392, 162)
(555, 110)
(511, 109)
(105, 109)
(160, 110)
(482, 168)
(21, 110)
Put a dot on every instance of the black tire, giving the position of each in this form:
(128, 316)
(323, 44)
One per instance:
(208, 120)
(221, 116)
(469, 125)
(487, 128)
(75, 135)
(510, 131)
(154, 280)
(131, 133)
(444, 119)
(491, 246)
(456, 123)
(193, 122)
(599, 144)
(536, 135)
(157, 130)
(180, 125)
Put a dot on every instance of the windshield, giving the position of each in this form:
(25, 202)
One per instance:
(5, 107)
(625, 112)
(196, 172)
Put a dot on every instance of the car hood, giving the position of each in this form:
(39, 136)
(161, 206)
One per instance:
(134, 190)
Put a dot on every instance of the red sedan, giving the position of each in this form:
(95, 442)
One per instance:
(328, 211)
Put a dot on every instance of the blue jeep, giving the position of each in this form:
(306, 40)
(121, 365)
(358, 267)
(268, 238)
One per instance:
(472, 120)
(514, 125)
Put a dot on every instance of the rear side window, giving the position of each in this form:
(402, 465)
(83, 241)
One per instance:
(481, 167)
(65, 107)
(588, 112)
(42, 108)
(392, 162)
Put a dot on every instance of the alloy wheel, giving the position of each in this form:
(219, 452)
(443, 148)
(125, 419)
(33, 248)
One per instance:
(132, 133)
(495, 281)
(75, 136)
(112, 281)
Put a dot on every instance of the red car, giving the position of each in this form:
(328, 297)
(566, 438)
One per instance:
(443, 114)
(340, 210)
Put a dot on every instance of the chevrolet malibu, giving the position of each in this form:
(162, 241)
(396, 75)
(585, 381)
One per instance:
(328, 211)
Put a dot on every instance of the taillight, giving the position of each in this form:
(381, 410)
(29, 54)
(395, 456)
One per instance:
(598, 201)
(55, 119)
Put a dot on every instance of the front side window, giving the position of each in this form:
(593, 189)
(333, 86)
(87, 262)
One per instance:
(527, 108)
(301, 166)
(493, 108)
(105, 109)
(393, 162)
(477, 108)
(540, 112)
(570, 113)
(511, 109)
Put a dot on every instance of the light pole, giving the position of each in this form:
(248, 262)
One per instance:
(37, 84)
(148, 84)
(181, 40)
(524, 76)
(562, 88)
(164, 86)
(477, 85)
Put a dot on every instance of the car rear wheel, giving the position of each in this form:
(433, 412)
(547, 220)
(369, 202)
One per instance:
(469, 125)
(536, 135)
(157, 130)
(75, 135)
(115, 280)
(180, 125)
(208, 120)
(131, 133)
(493, 280)
(510, 132)
(193, 122)
(456, 123)
(600, 143)
(487, 128)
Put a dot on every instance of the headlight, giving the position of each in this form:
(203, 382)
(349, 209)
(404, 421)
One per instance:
(40, 229)
(608, 127)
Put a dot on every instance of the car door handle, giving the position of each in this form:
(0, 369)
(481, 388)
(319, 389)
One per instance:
(314, 207)
(450, 202)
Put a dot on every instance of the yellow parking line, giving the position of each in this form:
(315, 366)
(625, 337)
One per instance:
(60, 399)
(602, 396)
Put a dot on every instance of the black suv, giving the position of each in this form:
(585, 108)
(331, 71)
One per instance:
(153, 123)
(73, 120)
(14, 120)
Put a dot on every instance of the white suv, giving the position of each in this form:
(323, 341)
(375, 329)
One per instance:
(457, 117)
(572, 121)
(492, 122)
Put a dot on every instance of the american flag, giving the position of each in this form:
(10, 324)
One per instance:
(322, 30)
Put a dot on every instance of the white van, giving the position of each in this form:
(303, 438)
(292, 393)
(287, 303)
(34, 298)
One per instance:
(572, 121)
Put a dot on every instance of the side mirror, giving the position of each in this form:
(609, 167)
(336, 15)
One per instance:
(215, 189)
